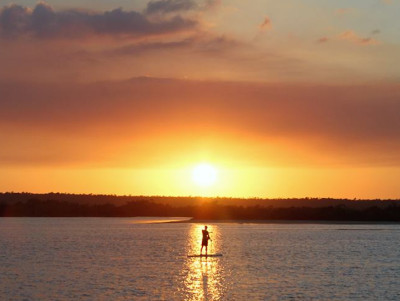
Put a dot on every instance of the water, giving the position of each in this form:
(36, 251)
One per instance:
(120, 259)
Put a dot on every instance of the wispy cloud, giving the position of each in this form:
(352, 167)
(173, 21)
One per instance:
(323, 40)
(177, 6)
(170, 6)
(196, 44)
(265, 25)
(343, 11)
(351, 36)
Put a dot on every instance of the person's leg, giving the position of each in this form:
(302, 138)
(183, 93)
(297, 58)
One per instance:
(206, 249)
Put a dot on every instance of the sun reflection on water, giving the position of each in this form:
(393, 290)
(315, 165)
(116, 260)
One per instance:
(204, 279)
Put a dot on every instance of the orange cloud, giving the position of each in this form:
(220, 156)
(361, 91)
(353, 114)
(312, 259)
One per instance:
(351, 36)
(48, 122)
(265, 25)
(200, 44)
(342, 11)
(323, 40)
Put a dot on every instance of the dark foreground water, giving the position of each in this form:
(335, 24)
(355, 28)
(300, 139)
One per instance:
(119, 259)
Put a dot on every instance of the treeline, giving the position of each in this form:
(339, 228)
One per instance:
(209, 211)
(102, 199)
(15, 197)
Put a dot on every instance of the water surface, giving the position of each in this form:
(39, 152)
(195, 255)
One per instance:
(120, 259)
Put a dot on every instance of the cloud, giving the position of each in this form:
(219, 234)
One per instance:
(217, 44)
(353, 124)
(170, 6)
(146, 47)
(342, 11)
(212, 4)
(44, 22)
(177, 6)
(265, 25)
(323, 40)
(351, 36)
(200, 44)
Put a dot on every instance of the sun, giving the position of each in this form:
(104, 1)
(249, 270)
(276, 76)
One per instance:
(204, 175)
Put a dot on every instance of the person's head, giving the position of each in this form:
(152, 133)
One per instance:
(205, 227)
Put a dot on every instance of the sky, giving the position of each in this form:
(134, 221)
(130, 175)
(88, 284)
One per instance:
(296, 98)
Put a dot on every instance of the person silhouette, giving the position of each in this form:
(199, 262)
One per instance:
(204, 241)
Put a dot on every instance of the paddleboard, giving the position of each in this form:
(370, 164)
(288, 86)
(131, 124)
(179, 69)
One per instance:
(204, 255)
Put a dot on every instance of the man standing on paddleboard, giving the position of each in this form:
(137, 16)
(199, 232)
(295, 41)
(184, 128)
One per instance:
(204, 241)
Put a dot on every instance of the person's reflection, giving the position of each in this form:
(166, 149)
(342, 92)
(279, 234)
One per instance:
(204, 277)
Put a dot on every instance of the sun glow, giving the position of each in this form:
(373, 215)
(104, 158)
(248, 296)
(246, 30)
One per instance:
(204, 175)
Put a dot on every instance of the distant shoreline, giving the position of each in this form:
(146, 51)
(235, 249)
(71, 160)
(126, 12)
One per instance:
(222, 211)
(188, 220)
(198, 221)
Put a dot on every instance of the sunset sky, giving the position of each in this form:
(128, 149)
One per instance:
(296, 98)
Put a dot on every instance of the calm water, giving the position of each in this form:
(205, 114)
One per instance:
(119, 259)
